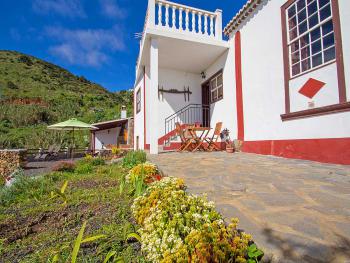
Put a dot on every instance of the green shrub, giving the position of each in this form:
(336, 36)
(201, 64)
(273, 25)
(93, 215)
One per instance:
(26, 188)
(11, 85)
(98, 161)
(84, 168)
(93, 161)
(133, 158)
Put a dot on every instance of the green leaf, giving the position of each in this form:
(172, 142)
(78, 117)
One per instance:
(55, 258)
(109, 255)
(119, 260)
(134, 235)
(52, 195)
(77, 243)
(93, 238)
(258, 253)
(64, 186)
(252, 248)
(251, 261)
(251, 254)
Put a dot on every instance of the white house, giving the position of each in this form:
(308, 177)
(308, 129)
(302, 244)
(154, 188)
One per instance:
(118, 133)
(280, 83)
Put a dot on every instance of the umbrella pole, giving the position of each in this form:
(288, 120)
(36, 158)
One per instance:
(72, 153)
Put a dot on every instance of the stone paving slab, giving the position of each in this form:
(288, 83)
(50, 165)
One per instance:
(296, 210)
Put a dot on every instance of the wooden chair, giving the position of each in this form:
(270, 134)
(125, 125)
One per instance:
(212, 141)
(186, 139)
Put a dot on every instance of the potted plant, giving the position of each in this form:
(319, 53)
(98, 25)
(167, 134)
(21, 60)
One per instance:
(116, 152)
(230, 147)
(225, 136)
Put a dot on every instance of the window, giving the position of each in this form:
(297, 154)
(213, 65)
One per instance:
(138, 101)
(216, 88)
(310, 35)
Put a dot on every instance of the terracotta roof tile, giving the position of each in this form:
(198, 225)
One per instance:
(241, 15)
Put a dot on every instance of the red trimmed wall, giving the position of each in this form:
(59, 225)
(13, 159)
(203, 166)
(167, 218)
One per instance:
(321, 150)
(239, 88)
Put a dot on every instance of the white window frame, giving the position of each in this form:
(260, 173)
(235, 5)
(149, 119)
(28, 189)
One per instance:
(308, 32)
(217, 87)
(138, 100)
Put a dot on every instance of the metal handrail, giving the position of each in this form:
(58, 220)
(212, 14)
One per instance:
(190, 114)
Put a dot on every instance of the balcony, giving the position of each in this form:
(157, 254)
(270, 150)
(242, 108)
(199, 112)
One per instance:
(173, 17)
(181, 30)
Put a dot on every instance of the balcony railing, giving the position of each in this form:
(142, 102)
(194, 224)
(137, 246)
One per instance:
(173, 17)
(181, 18)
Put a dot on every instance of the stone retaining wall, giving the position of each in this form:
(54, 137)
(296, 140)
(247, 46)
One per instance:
(10, 160)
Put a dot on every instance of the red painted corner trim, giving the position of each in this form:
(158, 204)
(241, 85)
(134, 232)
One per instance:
(144, 107)
(239, 89)
(331, 150)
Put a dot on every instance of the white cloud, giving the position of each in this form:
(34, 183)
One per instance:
(67, 8)
(111, 9)
(88, 47)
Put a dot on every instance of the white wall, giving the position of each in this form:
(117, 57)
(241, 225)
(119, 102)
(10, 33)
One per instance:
(170, 103)
(225, 109)
(263, 84)
(106, 137)
(344, 10)
(139, 117)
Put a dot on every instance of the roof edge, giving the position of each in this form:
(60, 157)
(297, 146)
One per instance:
(241, 15)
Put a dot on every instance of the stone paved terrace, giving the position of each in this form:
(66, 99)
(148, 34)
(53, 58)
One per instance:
(297, 211)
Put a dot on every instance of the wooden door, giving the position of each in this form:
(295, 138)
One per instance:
(206, 105)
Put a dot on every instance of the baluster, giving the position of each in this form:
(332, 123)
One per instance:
(167, 15)
(180, 18)
(193, 21)
(199, 22)
(186, 20)
(206, 24)
(160, 14)
(173, 24)
(211, 25)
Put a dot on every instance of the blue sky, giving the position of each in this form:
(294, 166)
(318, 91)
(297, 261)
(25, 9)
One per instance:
(93, 38)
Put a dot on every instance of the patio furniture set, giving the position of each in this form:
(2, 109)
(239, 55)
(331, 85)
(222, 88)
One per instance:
(196, 138)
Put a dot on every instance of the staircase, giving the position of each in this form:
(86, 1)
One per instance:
(190, 114)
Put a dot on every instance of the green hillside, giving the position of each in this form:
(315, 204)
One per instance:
(35, 93)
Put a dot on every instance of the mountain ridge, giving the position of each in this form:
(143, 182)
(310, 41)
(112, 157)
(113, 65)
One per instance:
(35, 93)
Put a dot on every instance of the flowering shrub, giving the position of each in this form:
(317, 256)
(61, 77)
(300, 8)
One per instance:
(179, 227)
(148, 171)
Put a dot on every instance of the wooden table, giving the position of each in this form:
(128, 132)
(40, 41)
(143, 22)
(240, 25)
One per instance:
(199, 139)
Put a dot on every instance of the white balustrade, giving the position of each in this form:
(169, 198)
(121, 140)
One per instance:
(173, 16)
(199, 23)
(167, 15)
(180, 18)
(193, 21)
(187, 20)
(206, 24)
(202, 22)
(211, 25)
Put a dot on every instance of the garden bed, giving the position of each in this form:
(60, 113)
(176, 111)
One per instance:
(37, 226)
(92, 211)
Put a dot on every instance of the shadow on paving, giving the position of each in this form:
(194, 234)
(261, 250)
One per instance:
(292, 250)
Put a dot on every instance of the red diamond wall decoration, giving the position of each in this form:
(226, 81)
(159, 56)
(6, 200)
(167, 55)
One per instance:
(311, 88)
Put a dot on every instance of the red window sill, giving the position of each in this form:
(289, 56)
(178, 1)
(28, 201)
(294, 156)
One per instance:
(336, 108)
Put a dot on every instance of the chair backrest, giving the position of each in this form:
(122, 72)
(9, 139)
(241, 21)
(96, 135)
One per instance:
(218, 128)
(178, 130)
(51, 148)
(57, 148)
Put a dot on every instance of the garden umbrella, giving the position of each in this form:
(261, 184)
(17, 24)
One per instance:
(72, 125)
